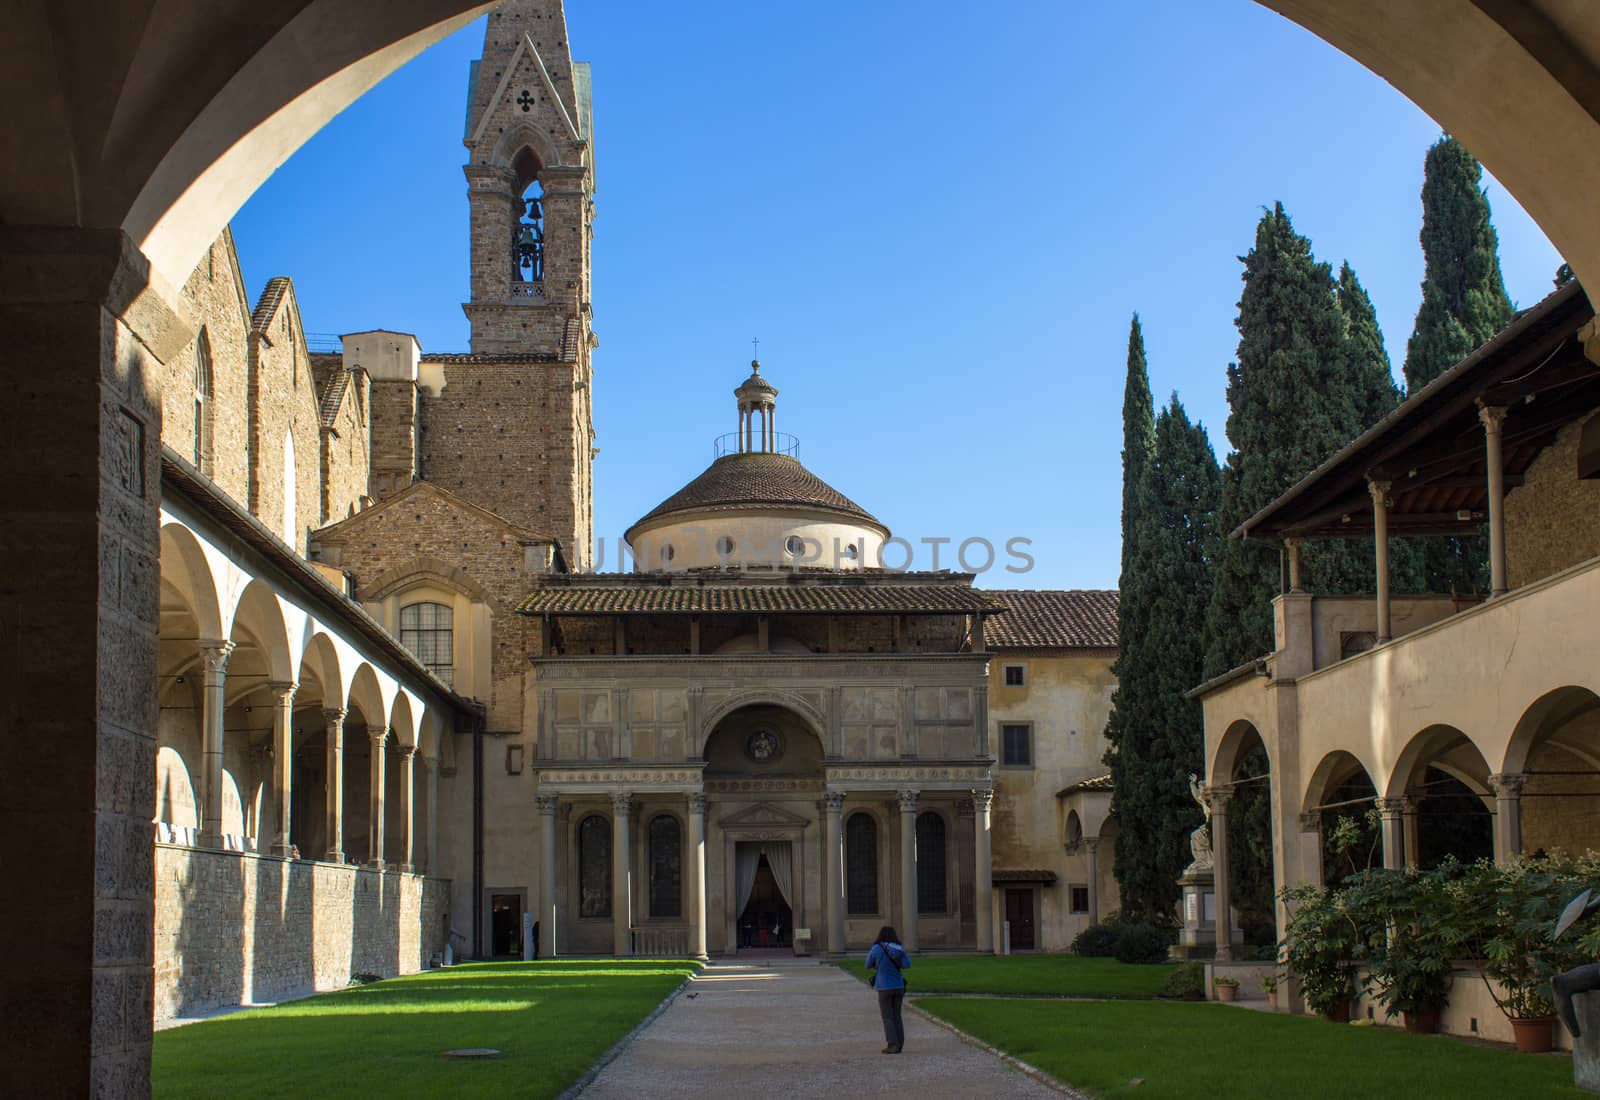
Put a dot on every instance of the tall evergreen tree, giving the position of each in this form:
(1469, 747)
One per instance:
(1464, 303)
(1464, 298)
(1297, 393)
(1161, 739)
(1130, 712)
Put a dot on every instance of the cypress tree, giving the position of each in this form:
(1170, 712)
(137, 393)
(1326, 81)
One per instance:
(1464, 298)
(1154, 754)
(1295, 396)
(1464, 303)
(1130, 704)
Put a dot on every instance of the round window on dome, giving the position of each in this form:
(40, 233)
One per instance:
(667, 553)
(850, 553)
(795, 545)
(725, 547)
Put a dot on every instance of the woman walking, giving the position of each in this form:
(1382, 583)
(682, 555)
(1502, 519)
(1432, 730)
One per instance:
(886, 960)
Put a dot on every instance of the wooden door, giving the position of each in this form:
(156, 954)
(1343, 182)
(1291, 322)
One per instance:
(1019, 912)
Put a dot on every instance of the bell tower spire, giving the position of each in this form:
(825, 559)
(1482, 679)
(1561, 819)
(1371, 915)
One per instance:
(530, 184)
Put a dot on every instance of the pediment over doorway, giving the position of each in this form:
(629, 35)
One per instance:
(764, 815)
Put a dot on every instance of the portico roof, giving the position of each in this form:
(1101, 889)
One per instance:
(790, 594)
(1431, 448)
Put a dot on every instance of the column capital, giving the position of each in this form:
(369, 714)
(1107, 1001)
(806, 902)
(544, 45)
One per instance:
(379, 735)
(283, 690)
(981, 800)
(1379, 491)
(1311, 823)
(1508, 784)
(1092, 843)
(406, 751)
(833, 801)
(1218, 798)
(547, 804)
(622, 803)
(214, 653)
(1390, 806)
(907, 799)
(334, 716)
(1493, 418)
(697, 803)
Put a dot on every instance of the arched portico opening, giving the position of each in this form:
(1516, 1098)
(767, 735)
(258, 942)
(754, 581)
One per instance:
(1440, 790)
(1242, 833)
(1547, 793)
(1344, 800)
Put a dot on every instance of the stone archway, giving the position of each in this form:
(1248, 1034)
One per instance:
(139, 144)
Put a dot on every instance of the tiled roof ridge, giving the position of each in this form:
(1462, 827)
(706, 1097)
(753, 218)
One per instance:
(1053, 618)
(488, 357)
(267, 305)
(756, 479)
(661, 599)
(332, 397)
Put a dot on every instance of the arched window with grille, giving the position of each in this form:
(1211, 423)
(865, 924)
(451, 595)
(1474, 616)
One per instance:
(666, 867)
(861, 863)
(930, 863)
(428, 630)
(594, 867)
(202, 403)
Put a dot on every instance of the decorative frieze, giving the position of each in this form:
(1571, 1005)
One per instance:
(760, 786)
(896, 774)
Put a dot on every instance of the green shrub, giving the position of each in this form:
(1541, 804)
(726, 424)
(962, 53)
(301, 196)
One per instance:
(1142, 943)
(1098, 941)
(1187, 982)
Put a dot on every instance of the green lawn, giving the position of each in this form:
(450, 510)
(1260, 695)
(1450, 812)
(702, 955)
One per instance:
(550, 1020)
(1051, 975)
(1188, 1050)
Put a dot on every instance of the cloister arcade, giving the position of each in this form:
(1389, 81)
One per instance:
(277, 734)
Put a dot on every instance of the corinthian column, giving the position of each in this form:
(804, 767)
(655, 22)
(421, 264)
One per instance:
(983, 872)
(908, 867)
(215, 657)
(833, 870)
(697, 875)
(334, 771)
(282, 760)
(547, 805)
(380, 737)
(621, 875)
(408, 807)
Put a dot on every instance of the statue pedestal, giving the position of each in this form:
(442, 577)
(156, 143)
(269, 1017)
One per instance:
(1586, 1047)
(1198, 936)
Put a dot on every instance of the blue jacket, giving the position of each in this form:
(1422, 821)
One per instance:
(895, 959)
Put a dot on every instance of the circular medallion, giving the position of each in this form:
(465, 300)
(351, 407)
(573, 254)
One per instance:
(762, 746)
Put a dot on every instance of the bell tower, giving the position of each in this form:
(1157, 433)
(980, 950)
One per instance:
(530, 183)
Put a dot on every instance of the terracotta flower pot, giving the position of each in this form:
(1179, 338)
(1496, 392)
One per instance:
(1227, 992)
(1534, 1036)
(1425, 1022)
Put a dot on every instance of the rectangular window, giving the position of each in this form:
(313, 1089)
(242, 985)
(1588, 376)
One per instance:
(1016, 676)
(1016, 746)
(1080, 899)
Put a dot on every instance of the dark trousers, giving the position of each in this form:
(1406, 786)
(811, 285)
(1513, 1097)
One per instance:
(894, 1028)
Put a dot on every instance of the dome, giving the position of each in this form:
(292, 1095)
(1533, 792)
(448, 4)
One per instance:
(757, 481)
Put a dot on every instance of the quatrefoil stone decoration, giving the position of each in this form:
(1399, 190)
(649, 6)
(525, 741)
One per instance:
(525, 101)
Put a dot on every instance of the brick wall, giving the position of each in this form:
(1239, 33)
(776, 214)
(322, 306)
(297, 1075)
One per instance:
(232, 928)
(216, 299)
(383, 545)
(1553, 519)
(394, 436)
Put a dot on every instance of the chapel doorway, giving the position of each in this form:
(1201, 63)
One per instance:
(505, 926)
(764, 874)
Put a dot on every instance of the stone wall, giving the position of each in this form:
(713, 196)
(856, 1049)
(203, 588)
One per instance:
(283, 406)
(1553, 519)
(513, 438)
(232, 928)
(346, 454)
(216, 300)
(394, 437)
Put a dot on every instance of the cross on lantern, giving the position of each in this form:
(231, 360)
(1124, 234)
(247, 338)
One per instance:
(525, 101)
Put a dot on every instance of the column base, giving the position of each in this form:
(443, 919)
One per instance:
(209, 840)
(333, 855)
(374, 865)
(407, 869)
(285, 851)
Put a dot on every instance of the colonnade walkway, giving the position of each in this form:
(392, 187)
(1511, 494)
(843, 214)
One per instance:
(793, 1028)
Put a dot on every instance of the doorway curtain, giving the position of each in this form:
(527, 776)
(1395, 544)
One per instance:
(781, 859)
(746, 859)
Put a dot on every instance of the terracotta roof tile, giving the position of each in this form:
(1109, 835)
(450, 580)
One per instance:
(268, 303)
(1097, 783)
(786, 598)
(757, 479)
(332, 396)
(1053, 619)
(487, 357)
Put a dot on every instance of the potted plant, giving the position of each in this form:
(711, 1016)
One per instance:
(1323, 941)
(1509, 914)
(1227, 988)
(1269, 986)
(1413, 938)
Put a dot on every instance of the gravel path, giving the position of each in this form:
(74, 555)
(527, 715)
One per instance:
(796, 1029)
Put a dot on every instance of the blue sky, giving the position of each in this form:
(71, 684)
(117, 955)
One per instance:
(937, 217)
